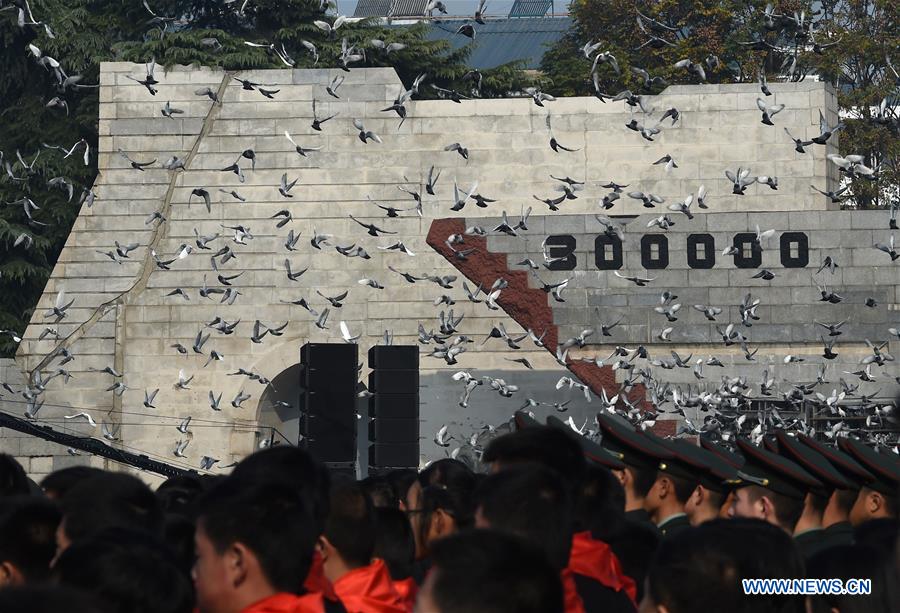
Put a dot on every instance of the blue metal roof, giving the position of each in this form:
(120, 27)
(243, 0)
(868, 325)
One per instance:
(530, 8)
(380, 8)
(503, 41)
(372, 8)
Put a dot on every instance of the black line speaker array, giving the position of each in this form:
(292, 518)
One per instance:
(394, 407)
(328, 418)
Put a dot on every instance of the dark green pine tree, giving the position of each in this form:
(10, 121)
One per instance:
(208, 35)
(200, 32)
(85, 31)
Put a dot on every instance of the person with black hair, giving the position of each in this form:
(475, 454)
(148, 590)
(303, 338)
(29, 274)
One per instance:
(873, 504)
(254, 546)
(400, 479)
(363, 585)
(705, 504)
(107, 500)
(292, 465)
(667, 497)
(544, 445)
(600, 503)
(485, 571)
(178, 535)
(715, 479)
(877, 499)
(836, 516)
(676, 481)
(809, 532)
(607, 546)
(634, 546)
(299, 469)
(701, 569)
(853, 562)
(771, 488)
(641, 457)
(127, 571)
(27, 539)
(178, 494)
(440, 503)
(591, 561)
(47, 599)
(395, 544)
(730, 459)
(57, 483)
(532, 502)
(380, 492)
(13, 480)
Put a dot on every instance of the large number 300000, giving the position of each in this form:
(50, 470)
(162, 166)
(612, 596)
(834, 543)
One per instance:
(700, 249)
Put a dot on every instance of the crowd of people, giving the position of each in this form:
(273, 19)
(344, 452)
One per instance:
(558, 523)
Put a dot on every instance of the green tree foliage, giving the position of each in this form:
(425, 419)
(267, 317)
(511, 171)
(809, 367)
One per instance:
(200, 32)
(83, 37)
(217, 37)
(845, 42)
(865, 34)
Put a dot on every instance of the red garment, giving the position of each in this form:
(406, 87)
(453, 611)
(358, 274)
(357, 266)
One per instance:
(288, 603)
(369, 590)
(408, 590)
(595, 559)
(572, 601)
(316, 582)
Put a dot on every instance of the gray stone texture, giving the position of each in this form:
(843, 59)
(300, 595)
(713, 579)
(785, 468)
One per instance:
(123, 318)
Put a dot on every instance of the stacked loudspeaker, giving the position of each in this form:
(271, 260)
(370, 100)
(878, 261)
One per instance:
(328, 397)
(393, 407)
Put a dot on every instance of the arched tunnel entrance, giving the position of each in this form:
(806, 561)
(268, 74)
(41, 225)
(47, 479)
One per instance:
(279, 406)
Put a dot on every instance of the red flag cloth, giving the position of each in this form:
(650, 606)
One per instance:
(408, 590)
(316, 582)
(595, 559)
(288, 603)
(369, 590)
(572, 601)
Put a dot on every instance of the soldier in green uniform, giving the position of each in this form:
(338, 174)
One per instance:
(593, 452)
(836, 518)
(677, 478)
(878, 498)
(771, 487)
(809, 533)
(641, 457)
(716, 478)
(735, 460)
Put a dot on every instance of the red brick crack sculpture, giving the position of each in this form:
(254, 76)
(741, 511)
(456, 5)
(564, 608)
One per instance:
(528, 306)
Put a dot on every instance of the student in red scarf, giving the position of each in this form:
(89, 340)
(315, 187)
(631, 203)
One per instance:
(295, 466)
(485, 571)
(595, 561)
(606, 545)
(253, 542)
(439, 503)
(316, 581)
(599, 502)
(531, 501)
(362, 584)
(394, 543)
(602, 588)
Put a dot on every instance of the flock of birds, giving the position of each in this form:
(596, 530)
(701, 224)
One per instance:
(722, 406)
